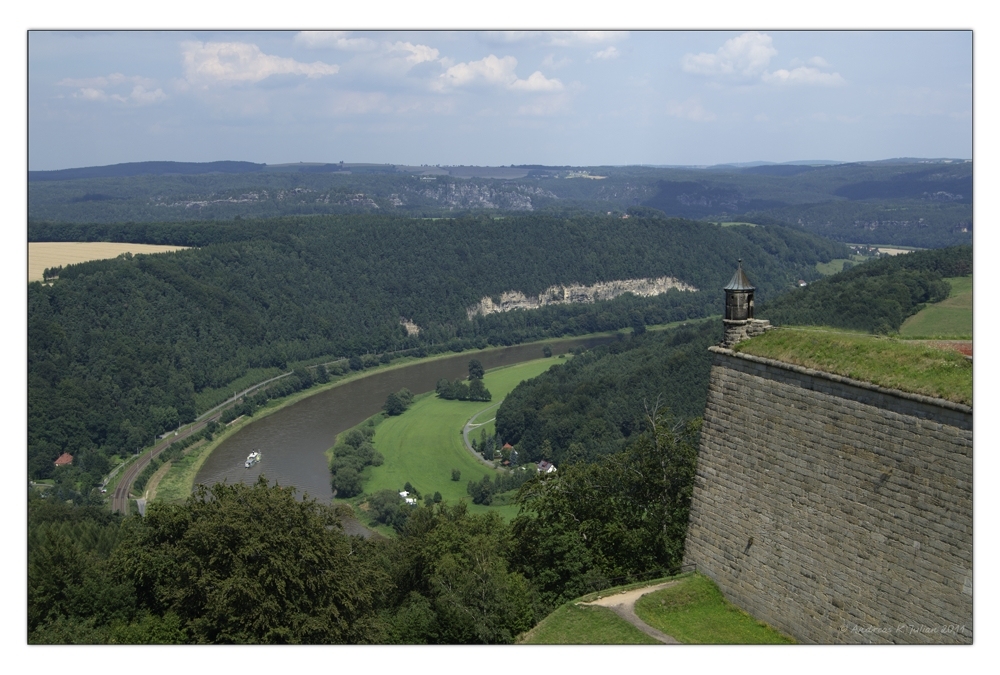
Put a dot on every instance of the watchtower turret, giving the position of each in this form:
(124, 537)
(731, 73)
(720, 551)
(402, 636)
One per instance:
(739, 321)
(739, 296)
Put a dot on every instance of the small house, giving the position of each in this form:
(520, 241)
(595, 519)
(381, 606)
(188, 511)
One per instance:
(546, 467)
(65, 459)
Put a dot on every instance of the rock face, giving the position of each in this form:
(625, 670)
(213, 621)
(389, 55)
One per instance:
(834, 510)
(463, 195)
(561, 295)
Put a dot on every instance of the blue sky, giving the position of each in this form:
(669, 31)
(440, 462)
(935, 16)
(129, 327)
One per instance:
(494, 97)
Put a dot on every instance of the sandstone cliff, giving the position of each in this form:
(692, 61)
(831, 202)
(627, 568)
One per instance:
(560, 295)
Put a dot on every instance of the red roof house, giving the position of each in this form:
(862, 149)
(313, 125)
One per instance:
(65, 459)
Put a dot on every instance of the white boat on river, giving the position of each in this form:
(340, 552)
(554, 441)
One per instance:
(252, 459)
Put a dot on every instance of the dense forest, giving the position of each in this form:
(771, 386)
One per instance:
(922, 203)
(876, 296)
(118, 349)
(245, 564)
(595, 404)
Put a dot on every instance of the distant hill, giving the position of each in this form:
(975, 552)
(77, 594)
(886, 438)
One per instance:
(146, 168)
(909, 202)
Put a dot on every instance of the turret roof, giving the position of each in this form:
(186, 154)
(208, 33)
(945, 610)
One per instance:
(739, 282)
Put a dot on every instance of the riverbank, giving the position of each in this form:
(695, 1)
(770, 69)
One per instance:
(183, 475)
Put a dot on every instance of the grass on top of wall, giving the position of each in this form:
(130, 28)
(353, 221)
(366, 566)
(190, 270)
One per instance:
(897, 364)
(694, 612)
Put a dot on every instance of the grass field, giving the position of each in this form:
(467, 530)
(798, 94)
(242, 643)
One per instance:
(950, 318)
(892, 363)
(694, 612)
(178, 482)
(733, 223)
(574, 624)
(42, 255)
(424, 444)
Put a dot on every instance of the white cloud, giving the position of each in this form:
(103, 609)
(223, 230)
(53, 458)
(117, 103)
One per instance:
(95, 88)
(819, 62)
(141, 96)
(91, 94)
(536, 82)
(746, 55)
(803, 75)
(239, 62)
(414, 54)
(690, 109)
(496, 72)
(338, 39)
(609, 53)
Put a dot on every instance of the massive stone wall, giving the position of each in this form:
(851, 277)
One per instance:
(834, 510)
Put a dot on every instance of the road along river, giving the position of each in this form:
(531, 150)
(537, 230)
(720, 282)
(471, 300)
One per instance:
(292, 441)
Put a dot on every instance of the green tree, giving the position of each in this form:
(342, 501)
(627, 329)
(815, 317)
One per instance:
(458, 563)
(476, 371)
(394, 405)
(252, 564)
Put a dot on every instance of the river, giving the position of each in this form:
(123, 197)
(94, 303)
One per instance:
(293, 440)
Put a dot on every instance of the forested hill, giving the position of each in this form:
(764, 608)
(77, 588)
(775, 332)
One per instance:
(923, 203)
(876, 296)
(597, 403)
(117, 349)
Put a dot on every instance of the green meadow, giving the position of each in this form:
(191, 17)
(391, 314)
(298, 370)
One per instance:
(950, 318)
(424, 444)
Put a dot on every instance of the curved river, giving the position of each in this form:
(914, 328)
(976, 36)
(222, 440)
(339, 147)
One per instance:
(293, 440)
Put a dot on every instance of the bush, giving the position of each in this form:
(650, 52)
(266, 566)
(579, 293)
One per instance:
(456, 475)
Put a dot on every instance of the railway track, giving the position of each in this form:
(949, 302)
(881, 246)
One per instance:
(120, 499)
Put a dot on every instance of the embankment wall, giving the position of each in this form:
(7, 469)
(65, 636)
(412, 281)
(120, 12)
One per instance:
(834, 510)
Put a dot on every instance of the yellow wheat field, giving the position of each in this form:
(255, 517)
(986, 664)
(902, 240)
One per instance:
(42, 255)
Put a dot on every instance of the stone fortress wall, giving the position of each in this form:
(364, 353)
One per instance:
(835, 510)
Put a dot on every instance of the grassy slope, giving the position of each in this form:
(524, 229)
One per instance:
(695, 612)
(950, 318)
(424, 444)
(574, 624)
(895, 364)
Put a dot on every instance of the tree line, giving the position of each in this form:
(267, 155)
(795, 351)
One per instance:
(594, 405)
(876, 296)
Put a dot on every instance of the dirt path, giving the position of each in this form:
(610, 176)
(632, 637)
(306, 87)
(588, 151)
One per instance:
(623, 604)
(469, 426)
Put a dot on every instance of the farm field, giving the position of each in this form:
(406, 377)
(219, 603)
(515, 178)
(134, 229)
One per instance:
(424, 444)
(45, 254)
(950, 318)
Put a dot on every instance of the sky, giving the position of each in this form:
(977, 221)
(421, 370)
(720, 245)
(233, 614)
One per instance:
(497, 97)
